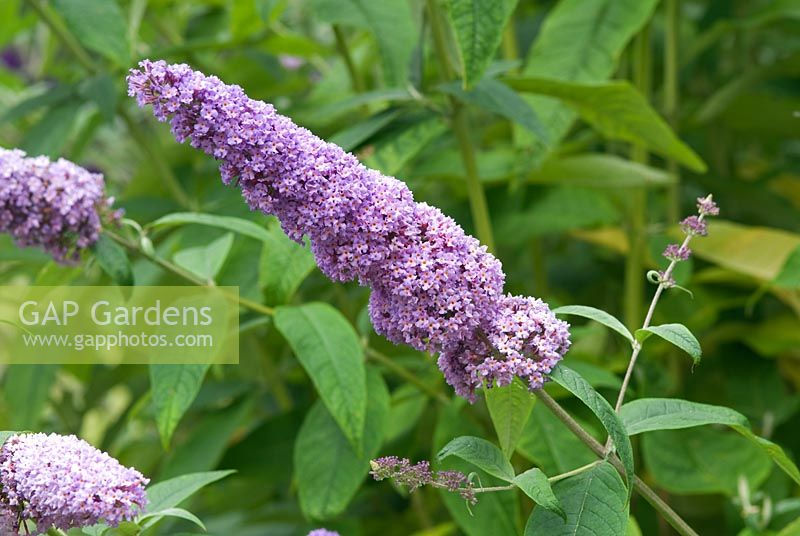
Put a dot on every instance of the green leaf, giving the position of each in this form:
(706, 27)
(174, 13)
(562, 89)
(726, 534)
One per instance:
(206, 261)
(99, 25)
(650, 414)
(789, 276)
(535, 485)
(408, 404)
(509, 406)
(560, 209)
(677, 334)
(329, 349)
(633, 528)
(153, 518)
(580, 41)
(478, 27)
(170, 493)
(595, 503)
(548, 443)
(351, 137)
(236, 225)
(394, 152)
(759, 252)
(174, 388)
(283, 267)
(481, 454)
(598, 315)
(389, 21)
(205, 444)
(575, 384)
(328, 470)
(114, 261)
(5, 435)
(700, 460)
(496, 513)
(598, 171)
(496, 97)
(51, 133)
(100, 90)
(49, 96)
(618, 111)
(27, 389)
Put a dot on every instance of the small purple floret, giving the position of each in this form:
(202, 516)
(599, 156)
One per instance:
(707, 207)
(676, 253)
(64, 482)
(323, 532)
(693, 225)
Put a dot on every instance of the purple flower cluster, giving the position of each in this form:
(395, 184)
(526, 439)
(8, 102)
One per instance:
(64, 482)
(677, 253)
(434, 287)
(694, 225)
(323, 532)
(9, 520)
(414, 476)
(57, 206)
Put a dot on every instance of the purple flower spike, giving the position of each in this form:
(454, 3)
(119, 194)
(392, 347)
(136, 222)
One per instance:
(323, 532)
(64, 482)
(57, 206)
(676, 253)
(434, 287)
(694, 226)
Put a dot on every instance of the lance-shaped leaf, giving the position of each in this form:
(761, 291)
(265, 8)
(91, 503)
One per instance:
(328, 348)
(478, 27)
(618, 111)
(677, 334)
(598, 315)
(650, 414)
(575, 384)
(535, 485)
(594, 501)
(481, 454)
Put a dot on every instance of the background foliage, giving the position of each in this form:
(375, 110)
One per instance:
(569, 114)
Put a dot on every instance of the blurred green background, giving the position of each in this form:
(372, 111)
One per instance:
(584, 183)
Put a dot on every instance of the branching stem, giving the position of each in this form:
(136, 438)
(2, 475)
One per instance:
(637, 347)
(183, 274)
(672, 517)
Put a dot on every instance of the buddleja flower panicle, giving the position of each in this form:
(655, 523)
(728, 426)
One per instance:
(64, 482)
(56, 205)
(434, 287)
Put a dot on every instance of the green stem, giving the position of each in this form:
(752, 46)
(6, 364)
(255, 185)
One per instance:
(188, 276)
(637, 347)
(62, 32)
(477, 198)
(344, 50)
(509, 45)
(672, 517)
(71, 42)
(389, 363)
(672, 15)
(579, 470)
(153, 152)
(637, 213)
(56, 532)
